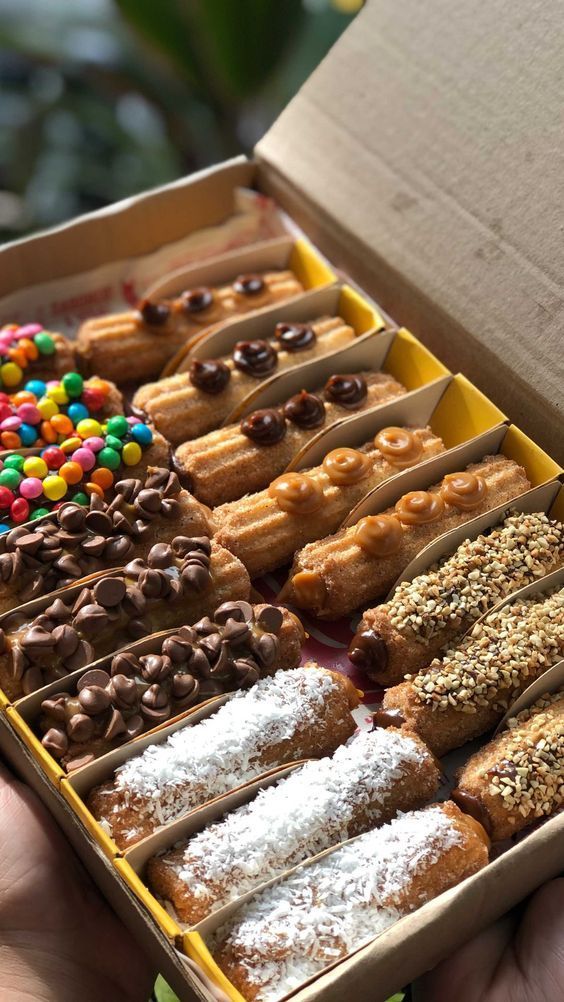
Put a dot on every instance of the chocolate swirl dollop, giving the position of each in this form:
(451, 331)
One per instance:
(255, 358)
(196, 300)
(154, 314)
(75, 629)
(209, 375)
(137, 691)
(295, 337)
(347, 391)
(306, 410)
(264, 427)
(249, 285)
(76, 541)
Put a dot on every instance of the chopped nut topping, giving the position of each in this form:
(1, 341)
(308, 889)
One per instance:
(479, 574)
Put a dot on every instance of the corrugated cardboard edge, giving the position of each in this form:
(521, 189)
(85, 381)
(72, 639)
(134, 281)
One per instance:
(550, 682)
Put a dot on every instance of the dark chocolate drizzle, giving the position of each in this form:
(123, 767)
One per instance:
(305, 409)
(255, 358)
(197, 300)
(249, 285)
(265, 427)
(295, 337)
(154, 314)
(209, 375)
(368, 651)
(347, 391)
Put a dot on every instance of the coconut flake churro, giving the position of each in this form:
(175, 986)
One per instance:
(360, 564)
(317, 915)
(365, 783)
(304, 713)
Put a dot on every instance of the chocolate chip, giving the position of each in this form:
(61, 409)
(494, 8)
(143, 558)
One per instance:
(80, 727)
(234, 632)
(2, 641)
(84, 598)
(155, 667)
(94, 699)
(55, 707)
(160, 555)
(135, 726)
(295, 337)
(151, 583)
(81, 657)
(37, 639)
(7, 566)
(195, 576)
(185, 544)
(136, 629)
(99, 522)
(66, 640)
(19, 662)
(118, 550)
(198, 665)
(128, 488)
(268, 647)
(78, 761)
(197, 300)
(255, 358)
(32, 680)
(11, 539)
(148, 500)
(55, 742)
(116, 726)
(91, 619)
(270, 619)
(170, 508)
(68, 566)
(239, 611)
(183, 685)
(134, 568)
(124, 690)
(96, 676)
(95, 546)
(209, 375)
(247, 672)
(125, 664)
(177, 649)
(165, 480)
(154, 314)
(134, 603)
(30, 542)
(249, 285)
(139, 529)
(71, 517)
(109, 592)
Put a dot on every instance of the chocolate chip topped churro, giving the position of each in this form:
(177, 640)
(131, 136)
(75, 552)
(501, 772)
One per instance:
(266, 528)
(360, 564)
(518, 777)
(464, 693)
(70, 628)
(134, 346)
(192, 403)
(425, 614)
(75, 541)
(239, 645)
(243, 458)
(321, 912)
(303, 713)
(365, 783)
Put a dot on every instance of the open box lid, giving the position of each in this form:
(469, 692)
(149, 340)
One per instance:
(425, 154)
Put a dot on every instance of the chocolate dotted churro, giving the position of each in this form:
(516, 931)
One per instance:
(134, 346)
(243, 458)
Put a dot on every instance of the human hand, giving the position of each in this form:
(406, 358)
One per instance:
(520, 958)
(59, 940)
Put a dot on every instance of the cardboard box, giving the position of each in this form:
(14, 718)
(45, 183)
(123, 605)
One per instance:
(428, 177)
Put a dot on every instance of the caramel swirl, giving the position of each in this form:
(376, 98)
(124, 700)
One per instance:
(305, 409)
(379, 535)
(296, 493)
(399, 446)
(154, 314)
(196, 300)
(209, 375)
(346, 466)
(463, 491)
(255, 358)
(419, 507)
(308, 590)
(265, 427)
(347, 391)
(249, 285)
(295, 337)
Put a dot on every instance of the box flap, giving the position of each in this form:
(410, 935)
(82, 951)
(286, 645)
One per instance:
(426, 154)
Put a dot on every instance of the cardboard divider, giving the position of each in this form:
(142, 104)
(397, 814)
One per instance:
(49, 764)
(163, 919)
(135, 859)
(552, 681)
(334, 300)
(557, 507)
(280, 254)
(497, 440)
(538, 499)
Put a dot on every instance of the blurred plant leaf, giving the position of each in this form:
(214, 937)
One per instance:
(224, 47)
(163, 993)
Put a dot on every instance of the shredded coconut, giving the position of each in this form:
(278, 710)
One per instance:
(226, 749)
(319, 805)
(291, 931)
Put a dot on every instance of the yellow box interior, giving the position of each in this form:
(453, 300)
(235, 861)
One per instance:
(309, 267)
(160, 915)
(194, 947)
(411, 363)
(106, 843)
(538, 465)
(358, 312)
(464, 412)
